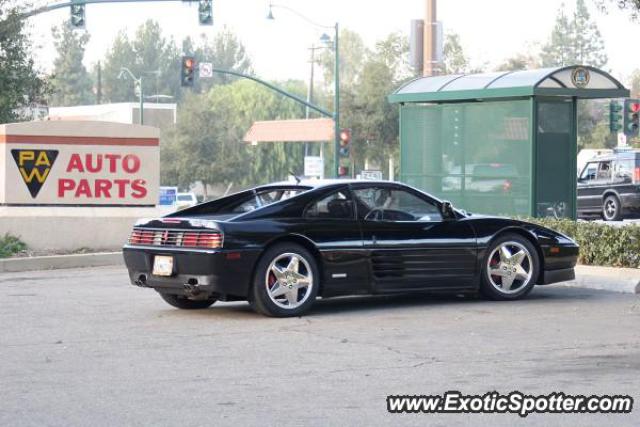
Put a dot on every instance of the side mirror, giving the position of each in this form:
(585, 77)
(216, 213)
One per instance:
(446, 210)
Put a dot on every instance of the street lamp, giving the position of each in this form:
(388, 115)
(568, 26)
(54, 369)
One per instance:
(336, 96)
(124, 71)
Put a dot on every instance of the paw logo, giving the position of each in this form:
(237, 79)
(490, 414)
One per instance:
(34, 167)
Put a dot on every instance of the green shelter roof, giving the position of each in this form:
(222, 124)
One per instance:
(576, 80)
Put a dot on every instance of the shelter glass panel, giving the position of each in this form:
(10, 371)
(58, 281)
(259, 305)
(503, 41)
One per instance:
(477, 155)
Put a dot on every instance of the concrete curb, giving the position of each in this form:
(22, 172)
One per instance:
(55, 262)
(625, 280)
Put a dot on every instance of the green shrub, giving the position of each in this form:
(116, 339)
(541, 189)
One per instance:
(600, 244)
(10, 245)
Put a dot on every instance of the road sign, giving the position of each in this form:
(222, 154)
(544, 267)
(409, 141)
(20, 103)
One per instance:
(313, 166)
(371, 175)
(206, 70)
(622, 140)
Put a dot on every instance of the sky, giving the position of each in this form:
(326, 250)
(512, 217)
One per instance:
(490, 30)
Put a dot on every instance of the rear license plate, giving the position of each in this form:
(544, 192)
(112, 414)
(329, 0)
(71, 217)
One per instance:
(162, 265)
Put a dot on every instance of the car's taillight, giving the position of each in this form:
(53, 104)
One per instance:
(201, 239)
(186, 239)
(141, 237)
(636, 175)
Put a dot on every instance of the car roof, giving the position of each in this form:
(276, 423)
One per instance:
(317, 183)
(630, 154)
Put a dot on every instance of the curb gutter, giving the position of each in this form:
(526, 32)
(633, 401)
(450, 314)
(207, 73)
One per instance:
(55, 262)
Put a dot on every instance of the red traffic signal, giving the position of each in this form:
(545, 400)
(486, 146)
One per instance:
(345, 142)
(188, 71)
(631, 119)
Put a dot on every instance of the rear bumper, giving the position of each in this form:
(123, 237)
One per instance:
(219, 272)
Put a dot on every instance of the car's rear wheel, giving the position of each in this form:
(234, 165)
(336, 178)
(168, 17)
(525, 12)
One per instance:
(286, 281)
(611, 209)
(185, 303)
(510, 269)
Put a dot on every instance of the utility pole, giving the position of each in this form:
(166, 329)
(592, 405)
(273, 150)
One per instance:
(430, 48)
(309, 93)
(99, 84)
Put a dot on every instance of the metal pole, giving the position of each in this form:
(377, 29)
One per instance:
(336, 106)
(277, 89)
(141, 101)
(51, 7)
(309, 96)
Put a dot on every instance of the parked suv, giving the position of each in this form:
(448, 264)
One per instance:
(609, 185)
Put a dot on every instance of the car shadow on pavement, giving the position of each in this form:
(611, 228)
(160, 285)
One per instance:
(330, 306)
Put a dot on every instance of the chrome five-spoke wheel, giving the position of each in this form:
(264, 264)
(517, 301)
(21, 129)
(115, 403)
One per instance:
(511, 268)
(289, 280)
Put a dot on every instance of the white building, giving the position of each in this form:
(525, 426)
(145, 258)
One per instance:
(155, 114)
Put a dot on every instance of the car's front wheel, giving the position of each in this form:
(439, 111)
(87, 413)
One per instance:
(185, 303)
(286, 281)
(511, 268)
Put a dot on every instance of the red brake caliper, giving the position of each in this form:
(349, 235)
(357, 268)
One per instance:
(272, 280)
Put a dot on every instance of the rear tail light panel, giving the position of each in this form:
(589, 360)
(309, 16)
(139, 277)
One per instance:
(197, 239)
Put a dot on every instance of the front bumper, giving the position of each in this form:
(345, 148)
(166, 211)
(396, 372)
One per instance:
(195, 272)
(555, 276)
(559, 262)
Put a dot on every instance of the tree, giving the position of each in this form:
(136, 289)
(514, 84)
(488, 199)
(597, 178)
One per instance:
(454, 61)
(353, 53)
(150, 55)
(226, 52)
(70, 82)
(120, 55)
(20, 84)
(207, 145)
(518, 62)
(575, 41)
(635, 83)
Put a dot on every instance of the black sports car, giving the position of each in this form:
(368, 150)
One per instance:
(280, 246)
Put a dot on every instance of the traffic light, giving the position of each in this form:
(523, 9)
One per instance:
(188, 71)
(77, 15)
(615, 118)
(343, 171)
(631, 117)
(345, 142)
(205, 12)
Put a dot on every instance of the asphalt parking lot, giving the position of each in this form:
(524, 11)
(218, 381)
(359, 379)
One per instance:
(82, 347)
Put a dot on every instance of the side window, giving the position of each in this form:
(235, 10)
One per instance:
(589, 173)
(386, 204)
(604, 170)
(337, 205)
(624, 169)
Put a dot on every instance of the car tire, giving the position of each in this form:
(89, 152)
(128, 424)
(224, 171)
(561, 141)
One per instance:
(184, 303)
(515, 274)
(286, 281)
(611, 208)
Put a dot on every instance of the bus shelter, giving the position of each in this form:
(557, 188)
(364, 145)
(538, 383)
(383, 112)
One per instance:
(498, 143)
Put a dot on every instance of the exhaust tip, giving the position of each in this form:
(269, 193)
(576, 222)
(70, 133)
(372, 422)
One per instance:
(141, 280)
